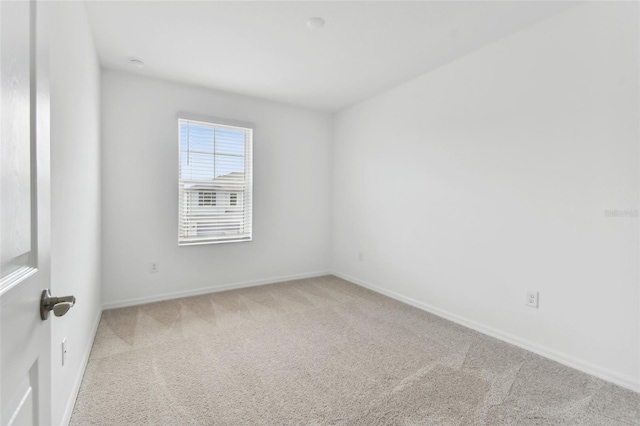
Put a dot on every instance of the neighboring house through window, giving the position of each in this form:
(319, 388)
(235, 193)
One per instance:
(215, 182)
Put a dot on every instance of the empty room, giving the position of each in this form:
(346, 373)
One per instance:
(320, 213)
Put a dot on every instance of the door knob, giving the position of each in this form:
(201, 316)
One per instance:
(59, 305)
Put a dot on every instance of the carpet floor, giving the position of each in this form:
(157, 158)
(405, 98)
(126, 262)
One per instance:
(323, 351)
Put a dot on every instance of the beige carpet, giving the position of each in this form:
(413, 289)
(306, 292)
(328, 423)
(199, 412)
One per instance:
(324, 351)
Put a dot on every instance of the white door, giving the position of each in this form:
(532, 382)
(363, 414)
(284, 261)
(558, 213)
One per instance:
(25, 339)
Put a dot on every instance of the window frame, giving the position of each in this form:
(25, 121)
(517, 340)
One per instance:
(247, 198)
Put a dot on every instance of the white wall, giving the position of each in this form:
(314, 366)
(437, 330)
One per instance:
(75, 195)
(291, 213)
(491, 176)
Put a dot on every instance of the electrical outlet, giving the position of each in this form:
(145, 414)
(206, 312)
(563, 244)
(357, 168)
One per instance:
(532, 299)
(64, 351)
(154, 267)
(360, 256)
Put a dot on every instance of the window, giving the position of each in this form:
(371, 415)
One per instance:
(215, 183)
(207, 198)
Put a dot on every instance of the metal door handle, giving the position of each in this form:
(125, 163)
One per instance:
(59, 305)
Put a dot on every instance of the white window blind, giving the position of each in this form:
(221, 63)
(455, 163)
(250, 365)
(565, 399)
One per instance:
(215, 183)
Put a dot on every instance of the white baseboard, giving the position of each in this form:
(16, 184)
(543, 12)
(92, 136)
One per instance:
(562, 358)
(205, 290)
(66, 418)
